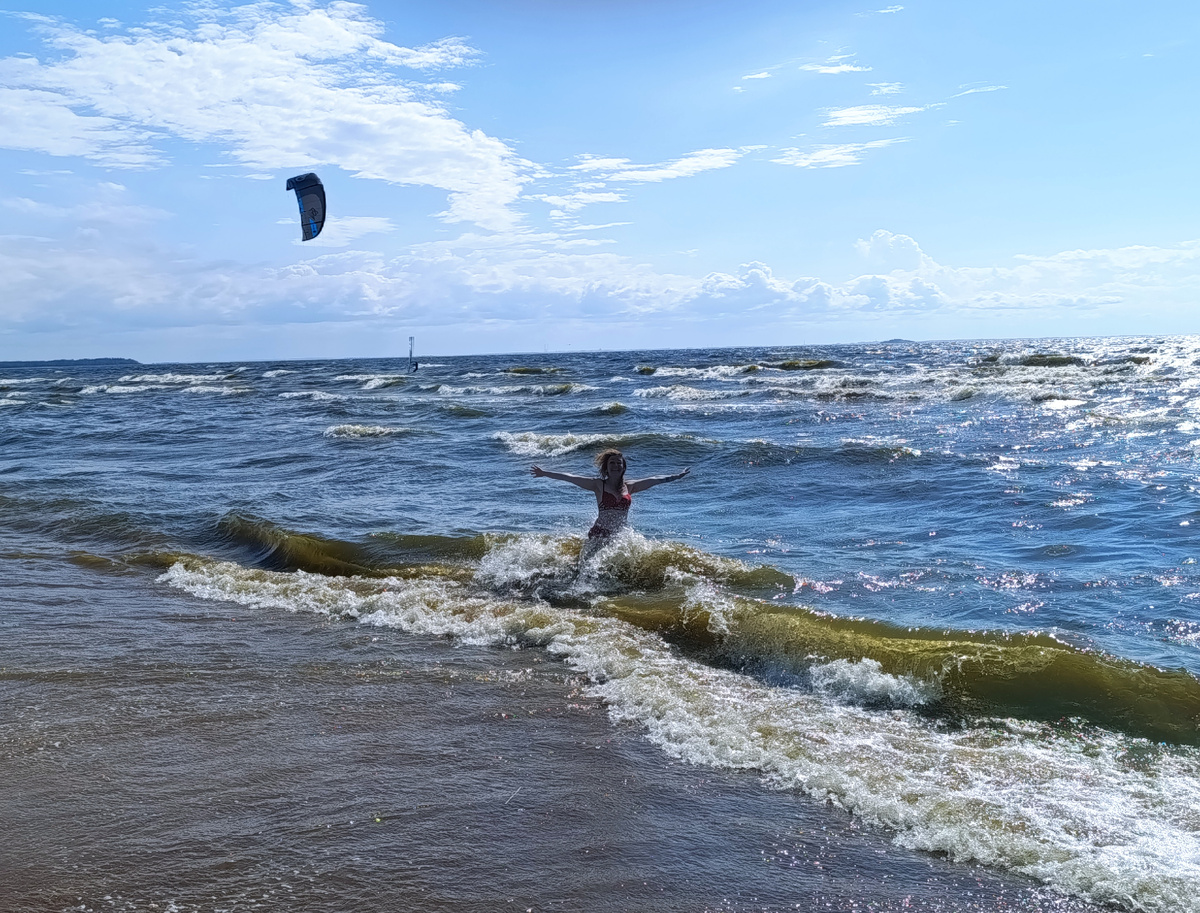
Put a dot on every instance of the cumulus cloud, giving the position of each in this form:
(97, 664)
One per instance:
(885, 251)
(525, 277)
(277, 87)
(831, 156)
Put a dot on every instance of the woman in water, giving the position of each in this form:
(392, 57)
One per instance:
(613, 492)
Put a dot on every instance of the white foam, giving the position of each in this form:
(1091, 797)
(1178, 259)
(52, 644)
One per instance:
(315, 395)
(278, 372)
(524, 561)
(170, 378)
(716, 372)
(122, 388)
(865, 682)
(223, 391)
(363, 431)
(1072, 811)
(373, 381)
(684, 392)
(533, 444)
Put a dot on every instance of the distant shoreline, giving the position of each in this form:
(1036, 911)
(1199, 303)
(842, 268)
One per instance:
(70, 362)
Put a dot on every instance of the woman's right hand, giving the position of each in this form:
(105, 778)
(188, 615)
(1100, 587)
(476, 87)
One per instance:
(537, 471)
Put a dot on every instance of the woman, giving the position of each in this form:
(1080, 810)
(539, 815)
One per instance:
(613, 493)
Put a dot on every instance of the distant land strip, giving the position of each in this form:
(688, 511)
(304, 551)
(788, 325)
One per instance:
(70, 363)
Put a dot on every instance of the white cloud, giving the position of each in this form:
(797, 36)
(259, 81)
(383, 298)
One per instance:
(620, 169)
(278, 88)
(40, 120)
(885, 251)
(345, 230)
(106, 205)
(831, 156)
(597, 227)
(867, 115)
(763, 75)
(573, 202)
(834, 68)
(979, 89)
(886, 88)
(834, 65)
(97, 283)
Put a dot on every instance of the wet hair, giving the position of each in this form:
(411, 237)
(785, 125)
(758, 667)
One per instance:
(603, 457)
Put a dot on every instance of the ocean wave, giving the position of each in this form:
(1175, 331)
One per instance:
(223, 391)
(277, 372)
(172, 378)
(123, 388)
(871, 448)
(613, 408)
(543, 444)
(1088, 811)
(375, 381)
(669, 588)
(533, 444)
(715, 372)
(315, 395)
(522, 369)
(806, 364)
(364, 431)
(526, 390)
(686, 393)
(458, 410)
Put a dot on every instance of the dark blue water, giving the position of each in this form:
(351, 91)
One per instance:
(947, 589)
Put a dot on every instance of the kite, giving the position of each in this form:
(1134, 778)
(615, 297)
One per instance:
(310, 194)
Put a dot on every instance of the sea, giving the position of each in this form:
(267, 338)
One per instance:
(920, 630)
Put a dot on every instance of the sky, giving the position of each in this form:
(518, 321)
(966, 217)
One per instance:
(573, 175)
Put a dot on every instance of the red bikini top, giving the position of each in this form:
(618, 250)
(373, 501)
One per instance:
(609, 501)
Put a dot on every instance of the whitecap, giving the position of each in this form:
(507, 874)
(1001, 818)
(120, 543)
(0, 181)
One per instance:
(363, 431)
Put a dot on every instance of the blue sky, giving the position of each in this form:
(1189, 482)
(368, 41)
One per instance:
(536, 175)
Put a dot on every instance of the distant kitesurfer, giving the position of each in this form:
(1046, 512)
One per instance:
(614, 494)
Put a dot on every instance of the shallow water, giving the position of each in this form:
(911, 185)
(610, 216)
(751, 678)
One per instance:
(919, 629)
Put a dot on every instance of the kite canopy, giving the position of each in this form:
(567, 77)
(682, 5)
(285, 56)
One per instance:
(310, 194)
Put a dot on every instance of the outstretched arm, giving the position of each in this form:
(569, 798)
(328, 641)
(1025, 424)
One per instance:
(584, 482)
(643, 484)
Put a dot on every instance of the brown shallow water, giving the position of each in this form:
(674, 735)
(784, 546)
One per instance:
(164, 753)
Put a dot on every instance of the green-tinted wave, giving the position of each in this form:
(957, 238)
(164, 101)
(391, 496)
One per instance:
(978, 674)
(384, 555)
(719, 610)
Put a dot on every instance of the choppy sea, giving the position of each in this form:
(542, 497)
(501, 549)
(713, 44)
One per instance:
(920, 631)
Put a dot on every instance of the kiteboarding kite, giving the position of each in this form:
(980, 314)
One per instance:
(310, 194)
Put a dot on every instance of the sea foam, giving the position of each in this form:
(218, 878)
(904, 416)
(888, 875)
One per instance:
(1107, 818)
